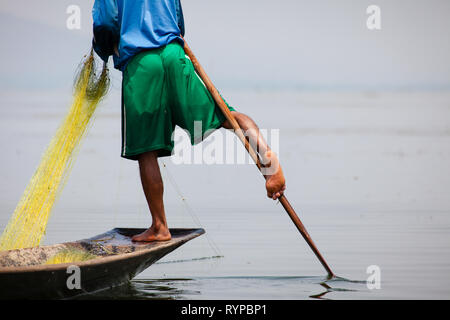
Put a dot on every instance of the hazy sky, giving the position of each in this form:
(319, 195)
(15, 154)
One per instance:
(315, 44)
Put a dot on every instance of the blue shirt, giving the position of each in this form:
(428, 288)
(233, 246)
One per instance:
(135, 26)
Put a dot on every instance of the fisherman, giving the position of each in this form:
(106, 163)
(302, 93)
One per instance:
(160, 89)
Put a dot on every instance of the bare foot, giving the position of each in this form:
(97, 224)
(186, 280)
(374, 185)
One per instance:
(151, 234)
(275, 181)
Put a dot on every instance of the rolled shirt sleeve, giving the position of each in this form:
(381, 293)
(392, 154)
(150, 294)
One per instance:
(180, 17)
(106, 27)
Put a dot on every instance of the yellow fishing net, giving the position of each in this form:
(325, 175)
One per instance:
(29, 220)
(70, 255)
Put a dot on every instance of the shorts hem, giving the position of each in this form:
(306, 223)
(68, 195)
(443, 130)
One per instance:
(212, 126)
(164, 151)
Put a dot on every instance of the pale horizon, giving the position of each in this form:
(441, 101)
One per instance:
(305, 45)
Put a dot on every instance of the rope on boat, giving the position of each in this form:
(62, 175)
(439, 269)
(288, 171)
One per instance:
(191, 212)
(189, 260)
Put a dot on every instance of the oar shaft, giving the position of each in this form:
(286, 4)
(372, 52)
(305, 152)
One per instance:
(229, 116)
(301, 228)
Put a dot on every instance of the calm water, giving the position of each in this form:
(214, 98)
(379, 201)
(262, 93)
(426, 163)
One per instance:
(368, 174)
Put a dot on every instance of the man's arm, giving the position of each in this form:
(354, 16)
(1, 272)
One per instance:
(106, 28)
(180, 17)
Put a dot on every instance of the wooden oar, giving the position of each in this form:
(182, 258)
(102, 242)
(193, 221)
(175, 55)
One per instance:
(229, 116)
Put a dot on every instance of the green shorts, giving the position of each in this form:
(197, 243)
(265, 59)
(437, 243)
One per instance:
(160, 90)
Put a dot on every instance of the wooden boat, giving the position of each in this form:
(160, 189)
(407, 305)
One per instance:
(23, 274)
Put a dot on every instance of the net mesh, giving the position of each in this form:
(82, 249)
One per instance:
(70, 255)
(28, 223)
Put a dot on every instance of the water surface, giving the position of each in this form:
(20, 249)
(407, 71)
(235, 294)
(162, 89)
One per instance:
(367, 172)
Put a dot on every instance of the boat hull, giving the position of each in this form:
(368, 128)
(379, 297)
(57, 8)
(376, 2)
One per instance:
(23, 276)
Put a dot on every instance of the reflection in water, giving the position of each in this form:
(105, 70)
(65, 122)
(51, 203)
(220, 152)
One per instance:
(231, 288)
(328, 288)
(145, 289)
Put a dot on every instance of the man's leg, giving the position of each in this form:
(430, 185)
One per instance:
(152, 184)
(275, 181)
